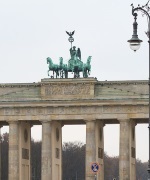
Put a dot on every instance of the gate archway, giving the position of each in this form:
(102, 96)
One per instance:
(54, 103)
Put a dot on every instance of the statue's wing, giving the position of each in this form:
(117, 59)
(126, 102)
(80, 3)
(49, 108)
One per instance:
(79, 53)
(72, 33)
(68, 33)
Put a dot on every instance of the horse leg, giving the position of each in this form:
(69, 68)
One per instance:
(66, 74)
(56, 74)
(48, 72)
(61, 73)
(79, 74)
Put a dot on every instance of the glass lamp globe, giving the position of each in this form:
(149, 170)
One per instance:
(135, 43)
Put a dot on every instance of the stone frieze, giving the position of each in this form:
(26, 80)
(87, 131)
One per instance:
(68, 110)
(59, 91)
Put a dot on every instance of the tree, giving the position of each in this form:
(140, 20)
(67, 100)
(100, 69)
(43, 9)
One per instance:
(4, 156)
(111, 167)
(73, 158)
(36, 159)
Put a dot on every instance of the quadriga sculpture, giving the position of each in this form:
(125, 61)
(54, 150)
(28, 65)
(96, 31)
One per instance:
(74, 66)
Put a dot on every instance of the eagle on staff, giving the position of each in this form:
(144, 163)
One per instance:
(70, 33)
(70, 39)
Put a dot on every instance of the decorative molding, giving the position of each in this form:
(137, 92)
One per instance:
(125, 109)
(64, 110)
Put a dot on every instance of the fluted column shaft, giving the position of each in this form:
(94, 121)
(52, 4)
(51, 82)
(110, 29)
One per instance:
(124, 151)
(46, 167)
(90, 148)
(13, 163)
(127, 154)
(0, 156)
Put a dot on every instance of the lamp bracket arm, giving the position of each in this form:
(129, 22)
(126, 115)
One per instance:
(145, 12)
(140, 9)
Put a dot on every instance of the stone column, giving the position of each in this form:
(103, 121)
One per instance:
(0, 155)
(100, 148)
(56, 149)
(24, 150)
(90, 148)
(13, 162)
(46, 166)
(132, 150)
(127, 150)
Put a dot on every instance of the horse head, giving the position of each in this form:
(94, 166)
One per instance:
(89, 59)
(61, 61)
(49, 60)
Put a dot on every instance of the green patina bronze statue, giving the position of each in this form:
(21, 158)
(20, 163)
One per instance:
(75, 65)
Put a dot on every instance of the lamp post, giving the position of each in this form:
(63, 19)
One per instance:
(135, 45)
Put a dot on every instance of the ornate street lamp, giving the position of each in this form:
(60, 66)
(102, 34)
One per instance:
(135, 45)
(135, 42)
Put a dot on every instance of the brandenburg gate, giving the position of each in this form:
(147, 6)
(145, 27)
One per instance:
(54, 103)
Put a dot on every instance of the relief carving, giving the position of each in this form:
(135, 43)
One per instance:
(125, 109)
(118, 109)
(50, 110)
(7, 111)
(61, 110)
(85, 110)
(106, 109)
(96, 109)
(141, 108)
(56, 90)
(28, 111)
(73, 110)
(17, 111)
(67, 90)
(40, 111)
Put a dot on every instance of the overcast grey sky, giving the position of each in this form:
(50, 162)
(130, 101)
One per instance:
(32, 30)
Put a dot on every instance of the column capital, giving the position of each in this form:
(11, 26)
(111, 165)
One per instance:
(124, 120)
(45, 121)
(12, 122)
(101, 121)
(89, 120)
